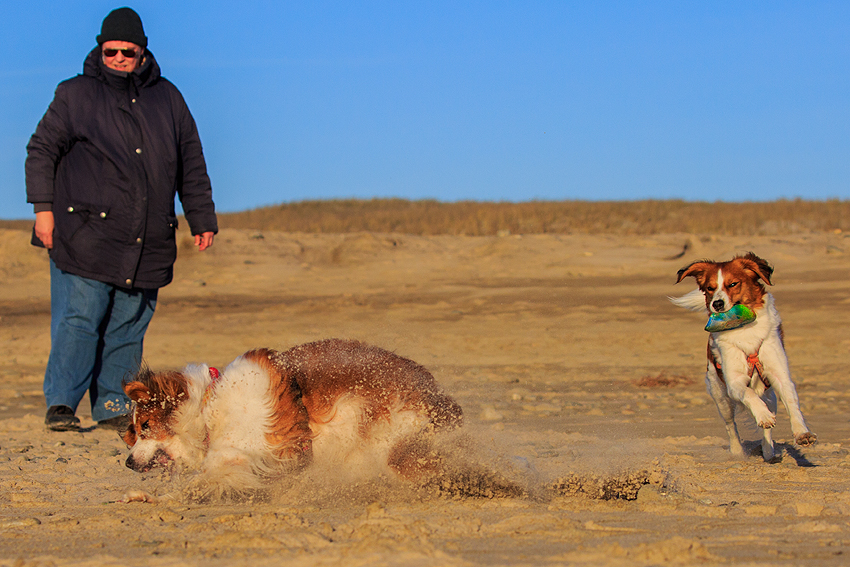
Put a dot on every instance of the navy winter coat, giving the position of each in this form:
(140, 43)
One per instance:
(110, 154)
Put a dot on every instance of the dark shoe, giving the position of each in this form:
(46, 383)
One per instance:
(61, 418)
(118, 423)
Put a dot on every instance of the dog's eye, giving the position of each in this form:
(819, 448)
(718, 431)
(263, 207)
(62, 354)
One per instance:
(733, 284)
(710, 288)
(145, 426)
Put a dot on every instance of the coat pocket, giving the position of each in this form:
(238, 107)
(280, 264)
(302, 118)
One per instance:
(80, 216)
(85, 229)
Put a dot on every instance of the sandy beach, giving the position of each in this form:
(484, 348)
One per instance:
(582, 385)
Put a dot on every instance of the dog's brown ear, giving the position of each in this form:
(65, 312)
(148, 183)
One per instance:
(138, 392)
(758, 266)
(695, 269)
(130, 435)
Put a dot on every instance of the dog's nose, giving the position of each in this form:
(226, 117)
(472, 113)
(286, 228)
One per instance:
(718, 305)
(135, 465)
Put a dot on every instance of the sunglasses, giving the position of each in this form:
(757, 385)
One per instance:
(127, 53)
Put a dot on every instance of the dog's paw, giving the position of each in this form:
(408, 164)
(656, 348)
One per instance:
(736, 449)
(806, 439)
(768, 452)
(766, 421)
(137, 496)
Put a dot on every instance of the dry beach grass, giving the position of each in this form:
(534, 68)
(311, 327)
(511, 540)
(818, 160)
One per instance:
(581, 384)
(547, 217)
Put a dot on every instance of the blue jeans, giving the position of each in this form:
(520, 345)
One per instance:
(97, 330)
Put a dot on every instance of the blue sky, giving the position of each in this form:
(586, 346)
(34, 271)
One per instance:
(492, 100)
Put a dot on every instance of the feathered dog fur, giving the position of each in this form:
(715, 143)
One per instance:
(736, 357)
(338, 404)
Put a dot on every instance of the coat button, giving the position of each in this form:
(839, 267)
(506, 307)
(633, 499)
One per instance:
(128, 281)
(138, 241)
(103, 215)
(138, 150)
(70, 209)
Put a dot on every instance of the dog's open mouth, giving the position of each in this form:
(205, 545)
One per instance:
(159, 459)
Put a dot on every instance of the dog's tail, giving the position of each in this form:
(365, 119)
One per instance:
(694, 301)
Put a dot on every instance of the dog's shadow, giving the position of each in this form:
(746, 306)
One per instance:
(793, 452)
(753, 448)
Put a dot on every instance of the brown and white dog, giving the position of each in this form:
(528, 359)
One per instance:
(342, 405)
(747, 365)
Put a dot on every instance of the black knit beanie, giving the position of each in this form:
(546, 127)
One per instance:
(123, 24)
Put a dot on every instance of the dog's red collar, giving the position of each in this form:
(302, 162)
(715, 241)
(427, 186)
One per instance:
(753, 365)
(215, 377)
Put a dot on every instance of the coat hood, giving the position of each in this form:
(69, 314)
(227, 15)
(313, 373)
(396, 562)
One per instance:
(146, 75)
